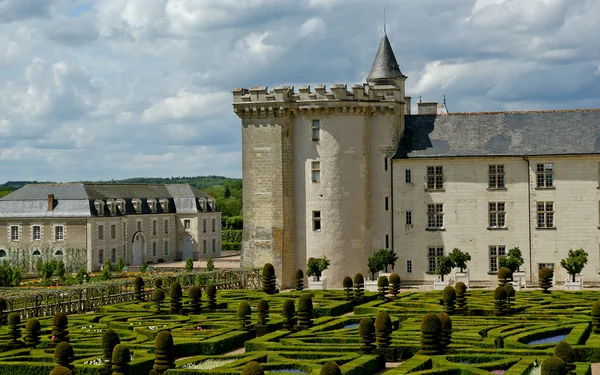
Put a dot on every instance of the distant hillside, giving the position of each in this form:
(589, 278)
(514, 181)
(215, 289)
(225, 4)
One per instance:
(227, 191)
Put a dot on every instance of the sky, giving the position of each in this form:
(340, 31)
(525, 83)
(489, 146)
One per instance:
(111, 89)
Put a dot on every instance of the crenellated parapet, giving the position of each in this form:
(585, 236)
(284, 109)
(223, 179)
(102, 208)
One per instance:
(281, 101)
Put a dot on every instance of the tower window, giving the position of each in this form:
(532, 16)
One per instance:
(316, 171)
(387, 241)
(408, 217)
(386, 203)
(385, 163)
(408, 176)
(316, 130)
(316, 220)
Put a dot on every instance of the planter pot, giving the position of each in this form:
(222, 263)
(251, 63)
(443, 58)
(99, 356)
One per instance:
(317, 285)
(385, 274)
(370, 285)
(464, 277)
(516, 285)
(519, 277)
(576, 286)
(440, 285)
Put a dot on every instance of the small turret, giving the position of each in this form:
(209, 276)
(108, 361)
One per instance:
(385, 70)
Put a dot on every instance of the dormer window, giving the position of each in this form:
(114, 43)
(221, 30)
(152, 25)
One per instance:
(137, 205)
(164, 204)
(210, 205)
(112, 206)
(121, 205)
(99, 205)
(152, 204)
(202, 203)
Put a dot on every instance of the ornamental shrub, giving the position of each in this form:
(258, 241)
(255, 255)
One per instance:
(138, 286)
(211, 294)
(347, 284)
(366, 330)
(64, 355)
(244, 315)
(382, 287)
(299, 279)
(32, 333)
(268, 278)
(316, 266)
(189, 265)
(330, 368)
(120, 360)
(210, 264)
(158, 296)
(446, 338)
(60, 323)
(158, 283)
(359, 282)
(461, 295)
(289, 314)
(383, 330)
(305, 311)
(431, 334)
(263, 312)
(195, 299)
(596, 316)
(252, 368)
(175, 304)
(565, 352)
(449, 299)
(545, 277)
(110, 339)
(14, 320)
(60, 370)
(500, 300)
(394, 285)
(510, 297)
(164, 357)
(553, 366)
(504, 276)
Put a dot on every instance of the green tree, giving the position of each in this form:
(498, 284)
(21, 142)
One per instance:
(316, 266)
(388, 258)
(120, 265)
(459, 258)
(82, 275)
(574, 262)
(39, 266)
(189, 265)
(444, 266)
(210, 264)
(375, 264)
(513, 260)
(60, 270)
(106, 270)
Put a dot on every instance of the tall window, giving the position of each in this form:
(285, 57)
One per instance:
(316, 130)
(166, 229)
(386, 203)
(139, 225)
(316, 220)
(214, 224)
(154, 227)
(113, 255)
(409, 266)
(496, 215)
(59, 233)
(113, 231)
(214, 247)
(166, 248)
(496, 251)
(387, 241)
(100, 232)
(37, 232)
(204, 247)
(124, 229)
(435, 216)
(545, 214)
(496, 176)
(204, 225)
(408, 216)
(433, 255)
(545, 175)
(101, 256)
(125, 252)
(315, 168)
(408, 176)
(435, 178)
(187, 224)
(14, 233)
(153, 249)
(385, 163)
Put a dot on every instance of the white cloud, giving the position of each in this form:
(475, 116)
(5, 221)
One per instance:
(314, 25)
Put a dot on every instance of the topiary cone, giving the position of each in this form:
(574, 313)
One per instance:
(500, 300)
(164, 357)
(110, 339)
(60, 323)
(394, 285)
(382, 287)
(268, 279)
(461, 295)
(565, 352)
(553, 366)
(32, 333)
(211, 294)
(446, 337)
(359, 282)
(64, 355)
(244, 315)
(175, 304)
(299, 279)
(289, 314)
(195, 299)
(366, 330)
(263, 311)
(383, 330)
(545, 277)
(510, 297)
(431, 334)
(347, 284)
(504, 276)
(120, 359)
(14, 320)
(138, 287)
(449, 299)
(305, 311)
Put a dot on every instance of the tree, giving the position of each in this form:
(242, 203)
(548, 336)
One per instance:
(444, 266)
(459, 258)
(210, 264)
(39, 266)
(375, 264)
(574, 262)
(513, 260)
(189, 265)
(60, 270)
(388, 258)
(316, 266)
(106, 270)
(120, 265)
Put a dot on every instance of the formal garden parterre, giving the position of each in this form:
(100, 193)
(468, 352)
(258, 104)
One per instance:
(199, 329)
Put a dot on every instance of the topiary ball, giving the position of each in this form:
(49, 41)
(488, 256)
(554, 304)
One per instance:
(299, 274)
(449, 294)
(383, 323)
(252, 368)
(431, 324)
(244, 309)
(330, 368)
(211, 290)
(504, 273)
(510, 290)
(158, 283)
(175, 291)
(158, 295)
(305, 303)
(60, 320)
(138, 282)
(33, 325)
(347, 283)
(382, 282)
(195, 292)
(565, 352)
(596, 308)
(121, 354)
(288, 308)
(60, 370)
(499, 293)
(394, 279)
(14, 319)
(553, 366)
(460, 288)
(366, 326)
(546, 273)
(262, 305)
(63, 353)
(359, 279)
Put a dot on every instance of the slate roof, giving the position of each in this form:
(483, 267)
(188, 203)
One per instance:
(77, 199)
(564, 132)
(385, 66)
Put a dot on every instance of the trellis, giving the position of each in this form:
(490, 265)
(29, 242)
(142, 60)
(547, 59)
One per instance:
(87, 297)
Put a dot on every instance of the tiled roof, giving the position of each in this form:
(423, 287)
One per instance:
(385, 66)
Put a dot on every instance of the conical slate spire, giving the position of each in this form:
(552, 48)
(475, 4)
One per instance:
(385, 67)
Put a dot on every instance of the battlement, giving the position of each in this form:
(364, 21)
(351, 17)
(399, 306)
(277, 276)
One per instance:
(337, 92)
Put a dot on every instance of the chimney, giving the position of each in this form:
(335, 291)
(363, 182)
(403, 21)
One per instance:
(50, 202)
(428, 108)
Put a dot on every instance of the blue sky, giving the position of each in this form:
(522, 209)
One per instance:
(111, 89)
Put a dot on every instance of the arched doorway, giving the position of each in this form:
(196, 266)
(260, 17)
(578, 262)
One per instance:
(188, 247)
(139, 246)
(2, 253)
